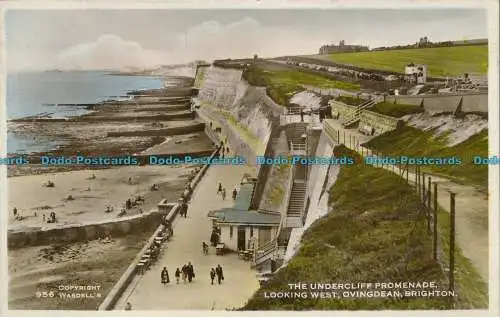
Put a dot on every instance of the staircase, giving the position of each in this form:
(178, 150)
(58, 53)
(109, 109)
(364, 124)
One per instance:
(274, 248)
(296, 205)
(297, 139)
(356, 116)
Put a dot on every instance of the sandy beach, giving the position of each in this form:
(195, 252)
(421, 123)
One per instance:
(90, 196)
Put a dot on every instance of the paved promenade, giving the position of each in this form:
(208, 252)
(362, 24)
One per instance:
(147, 293)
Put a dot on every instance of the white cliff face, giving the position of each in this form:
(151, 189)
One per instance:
(460, 129)
(318, 207)
(220, 85)
(225, 89)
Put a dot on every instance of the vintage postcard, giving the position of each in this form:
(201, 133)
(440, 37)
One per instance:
(250, 158)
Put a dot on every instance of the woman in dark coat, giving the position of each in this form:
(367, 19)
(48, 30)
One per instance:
(164, 276)
(190, 272)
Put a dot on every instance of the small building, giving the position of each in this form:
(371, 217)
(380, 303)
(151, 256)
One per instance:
(241, 228)
(416, 73)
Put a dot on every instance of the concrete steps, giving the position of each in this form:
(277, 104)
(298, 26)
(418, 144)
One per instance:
(296, 205)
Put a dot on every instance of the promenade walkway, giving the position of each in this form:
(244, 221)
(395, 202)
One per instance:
(147, 293)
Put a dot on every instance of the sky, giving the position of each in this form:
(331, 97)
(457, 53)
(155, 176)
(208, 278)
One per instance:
(124, 39)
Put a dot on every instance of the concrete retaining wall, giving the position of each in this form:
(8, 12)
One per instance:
(345, 111)
(381, 123)
(474, 102)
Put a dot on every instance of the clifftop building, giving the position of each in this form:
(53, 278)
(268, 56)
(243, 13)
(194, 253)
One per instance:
(342, 48)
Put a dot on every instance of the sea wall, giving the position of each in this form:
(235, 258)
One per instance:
(472, 102)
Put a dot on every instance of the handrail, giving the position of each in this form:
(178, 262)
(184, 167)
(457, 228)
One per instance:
(298, 146)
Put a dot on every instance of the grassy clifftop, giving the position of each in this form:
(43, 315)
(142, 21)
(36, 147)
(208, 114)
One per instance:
(374, 233)
(283, 84)
(441, 61)
(414, 142)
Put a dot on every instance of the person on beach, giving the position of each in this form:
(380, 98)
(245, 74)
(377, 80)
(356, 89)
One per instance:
(43, 218)
(220, 188)
(223, 194)
(235, 193)
(220, 273)
(14, 211)
(212, 275)
(164, 276)
(205, 247)
(128, 306)
(177, 275)
(301, 115)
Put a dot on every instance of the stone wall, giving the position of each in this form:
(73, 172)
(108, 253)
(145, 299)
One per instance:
(344, 111)
(473, 102)
(381, 123)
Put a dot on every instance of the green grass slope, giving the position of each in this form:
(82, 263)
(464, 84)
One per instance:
(374, 233)
(414, 142)
(283, 84)
(441, 61)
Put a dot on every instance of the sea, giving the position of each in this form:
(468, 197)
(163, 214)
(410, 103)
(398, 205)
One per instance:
(41, 93)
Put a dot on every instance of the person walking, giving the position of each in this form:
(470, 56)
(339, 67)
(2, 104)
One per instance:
(164, 276)
(184, 273)
(212, 275)
(177, 275)
(235, 193)
(220, 188)
(223, 194)
(220, 274)
(190, 272)
(185, 209)
(205, 248)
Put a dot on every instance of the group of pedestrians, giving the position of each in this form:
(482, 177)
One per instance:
(222, 191)
(217, 271)
(186, 273)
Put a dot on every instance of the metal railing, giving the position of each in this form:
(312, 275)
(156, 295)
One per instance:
(355, 116)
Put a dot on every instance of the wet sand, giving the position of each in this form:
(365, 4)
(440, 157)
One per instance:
(46, 268)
